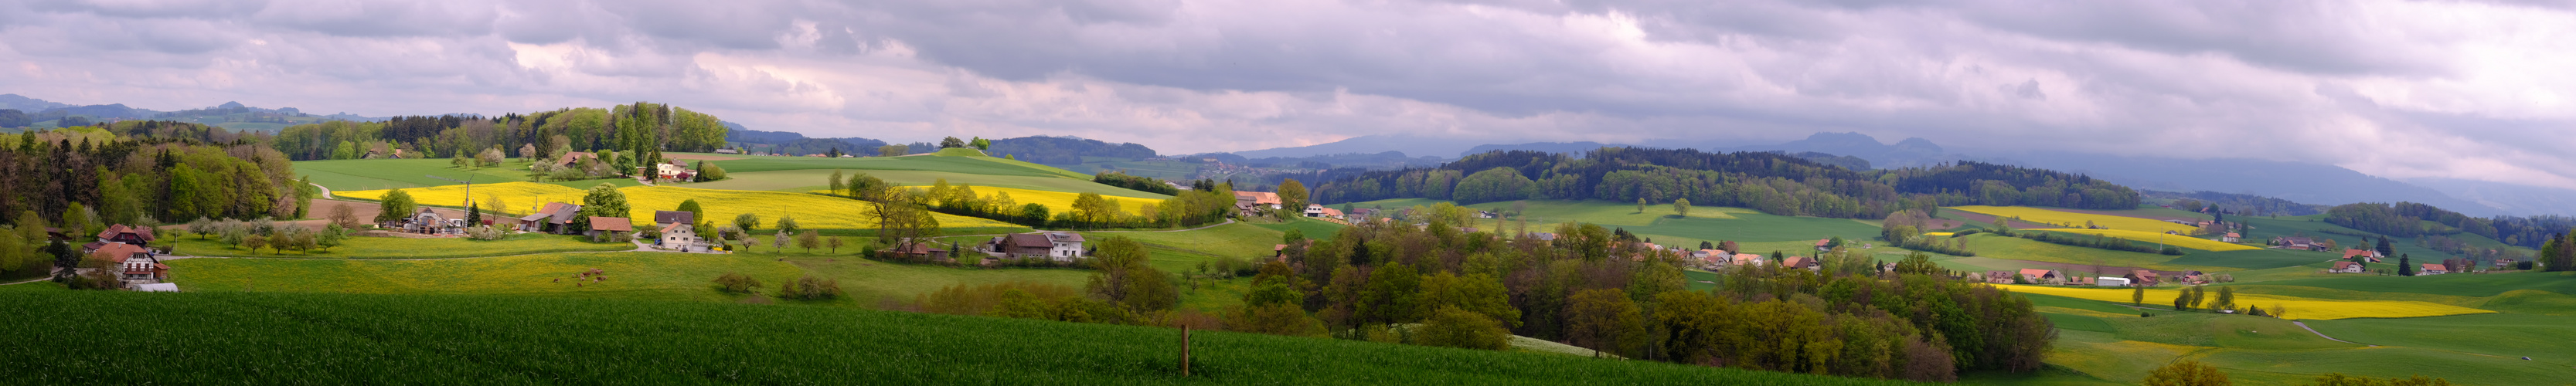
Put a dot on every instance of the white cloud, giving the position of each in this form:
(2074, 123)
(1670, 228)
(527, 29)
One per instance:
(2394, 88)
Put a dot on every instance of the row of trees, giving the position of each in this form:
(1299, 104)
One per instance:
(2559, 254)
(640, 127)
(2407, 219)
(1602, 290)
(1904, 229)
(1770, 182)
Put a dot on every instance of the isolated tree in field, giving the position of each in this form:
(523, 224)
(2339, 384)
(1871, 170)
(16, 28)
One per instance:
(951, 143)
(2182, 300)
(737, 283)
(2226, 299)
(1126, 279)
(839, 186)
(981, 144)
(1641, 205)
(2384, 248)
(835, 243)
(1681, 207)
(602, 200)
(809, 240)
(2405, 266)
(747, 222)
(254, 242)
(473, 214)
(2198, 295)
(2137, 295)
(696, 211)
(779, 241)
(787, 223)
(1602, 320)
(1292, 195)
(2186, 373)
(279, 241)
(332, 236)
(394, 206)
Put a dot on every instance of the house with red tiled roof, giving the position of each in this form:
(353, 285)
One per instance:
(2040, 276)
(2372, 254)
(610, 226)
(2432, 269)
(2231, 237)
(1807, 263)
(2345, 267)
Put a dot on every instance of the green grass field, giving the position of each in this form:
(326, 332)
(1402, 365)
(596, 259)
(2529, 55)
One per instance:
(401, 339)
(405, 248)
(1754, 231)
(371, 174)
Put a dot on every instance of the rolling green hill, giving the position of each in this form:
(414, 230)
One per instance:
(428, 339)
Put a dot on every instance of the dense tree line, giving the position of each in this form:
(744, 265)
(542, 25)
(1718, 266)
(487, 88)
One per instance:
(84, 179)
(2097, 242)
(1136, 183)
(2407, 219)
(1063, 150)
(1598, 289)
(1770, 182)
(1904, 229)
(640, 127)
(2238, 204)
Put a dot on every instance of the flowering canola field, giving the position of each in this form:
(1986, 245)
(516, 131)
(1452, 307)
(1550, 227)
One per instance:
(811, 211)
(2153, 237)
(2076, 220)
(1058, 202)
(2300, 308)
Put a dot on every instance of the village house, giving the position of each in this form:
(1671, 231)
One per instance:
(554, 217)
(1058, 246)
(1802, 262)
(2432, 269)
(673, 171)
(1823, 245)
(609, 227)
(119, 234)
(1243, 199)
(2371, 254)
(2345, 267)
(2039, 276)
(2298, 243)
(678, 232)
(1750, 259)
(2144, 277)
(1999, 277)
(2231, 237)
(428, 221)
(133, 263)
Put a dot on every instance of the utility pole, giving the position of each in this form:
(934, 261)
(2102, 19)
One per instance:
(469, 188)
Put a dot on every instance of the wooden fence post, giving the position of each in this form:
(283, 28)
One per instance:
(1185, 350)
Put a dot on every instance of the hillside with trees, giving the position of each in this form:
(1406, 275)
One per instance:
(641, 127)
(2407, 219)
(1773, 183)
(1064, 150)
(144, 172)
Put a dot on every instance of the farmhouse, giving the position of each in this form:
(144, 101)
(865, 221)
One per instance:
(133, 263)
(2432, 269)
(1802, 262)
(554, 217)
(1749, 259)
(2372, 254)
(2040, 276)
(609, 226)
(2143, 277)
(668, 217)
(2231, 237)
(674, 171)
(119, 234)
(1058, 246)
(1247, 199)
(2345, 267)
(1824, 245)
(430, 222)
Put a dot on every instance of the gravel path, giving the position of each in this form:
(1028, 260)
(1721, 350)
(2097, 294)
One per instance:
(2323, 335)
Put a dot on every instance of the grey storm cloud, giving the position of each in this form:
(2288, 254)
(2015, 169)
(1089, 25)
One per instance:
(2480, 86)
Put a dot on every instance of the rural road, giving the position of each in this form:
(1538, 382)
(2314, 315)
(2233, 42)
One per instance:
(326, 191)
(2323, 335)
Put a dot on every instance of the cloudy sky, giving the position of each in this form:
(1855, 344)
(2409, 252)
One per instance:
(2477, 90)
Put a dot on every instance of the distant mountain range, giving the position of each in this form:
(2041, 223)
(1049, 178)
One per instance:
(43, 113)
(2296, 181)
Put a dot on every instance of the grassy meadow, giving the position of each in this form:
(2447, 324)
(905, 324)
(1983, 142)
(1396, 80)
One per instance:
(812, 210)
(404, 339)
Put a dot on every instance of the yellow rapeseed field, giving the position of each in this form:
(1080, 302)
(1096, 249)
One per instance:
(811, 211)
(2076, 220)
(2153, 237)
(521, 197)
(1060, 202)
(2300, 308)
(1940, 233)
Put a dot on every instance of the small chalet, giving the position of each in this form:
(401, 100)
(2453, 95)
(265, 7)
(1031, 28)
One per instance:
(1068, 246)
(668, 217)
(2345, 267)
(1749, 259)
(1316, 210)
(2231, 237)
(2432, 269)
(2040, 276)
(1023, 245)
(554, 217)
(674, 171)
(1824, 245)
(681, 236)
(133, 263)
(609, 226)
(2372, 254)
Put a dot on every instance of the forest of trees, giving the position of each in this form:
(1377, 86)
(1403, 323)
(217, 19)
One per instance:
(83, 179)
(2238, 204)
(639, 127)
(1769, 182)
(2407, 219)
(1064, 150)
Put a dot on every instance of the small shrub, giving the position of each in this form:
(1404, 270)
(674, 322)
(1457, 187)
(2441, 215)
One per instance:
(810, 288)
(737, 283)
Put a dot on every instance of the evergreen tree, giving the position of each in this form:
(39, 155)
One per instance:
(2405, 266)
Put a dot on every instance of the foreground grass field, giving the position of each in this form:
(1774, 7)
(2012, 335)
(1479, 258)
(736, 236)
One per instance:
(427, 339)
